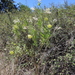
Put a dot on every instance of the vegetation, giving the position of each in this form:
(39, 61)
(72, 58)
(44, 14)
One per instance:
(7, 5)
(40, 41)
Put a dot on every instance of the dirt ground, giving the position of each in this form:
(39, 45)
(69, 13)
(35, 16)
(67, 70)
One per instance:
(7, 68)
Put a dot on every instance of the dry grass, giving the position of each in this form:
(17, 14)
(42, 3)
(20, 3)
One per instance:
(10, 68)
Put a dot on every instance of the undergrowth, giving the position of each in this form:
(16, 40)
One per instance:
(42, 40)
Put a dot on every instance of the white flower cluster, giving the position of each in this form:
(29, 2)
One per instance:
(57, 28)
(35, 18)
(47, 10)
(54, 20)
(16, 20)
(30, 20)
(39, 0)
(33, 8)
(24, 27)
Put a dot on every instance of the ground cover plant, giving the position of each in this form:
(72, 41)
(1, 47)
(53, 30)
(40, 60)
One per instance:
(39, 41)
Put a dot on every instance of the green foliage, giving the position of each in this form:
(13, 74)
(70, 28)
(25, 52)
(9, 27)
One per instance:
(44, 37)
(24, 8)
(7, 5)
(40, 34)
